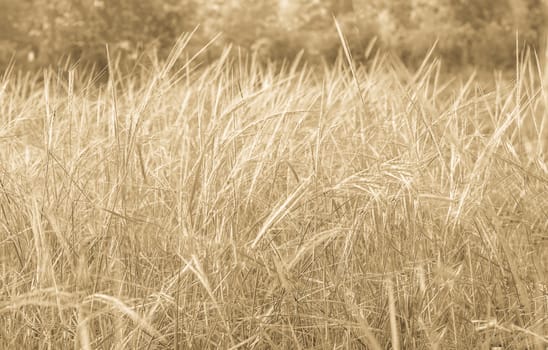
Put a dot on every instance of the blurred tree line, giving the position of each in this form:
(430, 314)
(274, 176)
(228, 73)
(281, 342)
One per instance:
(469, 32)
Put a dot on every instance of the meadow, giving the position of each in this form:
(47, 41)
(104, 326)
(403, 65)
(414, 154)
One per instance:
(257, 205)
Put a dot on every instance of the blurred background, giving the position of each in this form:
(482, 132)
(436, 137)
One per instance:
(479, 33)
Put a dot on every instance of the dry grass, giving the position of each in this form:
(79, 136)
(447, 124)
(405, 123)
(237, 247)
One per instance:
(255, 206)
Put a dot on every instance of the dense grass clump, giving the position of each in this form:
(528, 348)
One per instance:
(257, 206)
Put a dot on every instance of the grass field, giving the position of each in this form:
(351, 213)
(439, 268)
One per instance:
(259, 206)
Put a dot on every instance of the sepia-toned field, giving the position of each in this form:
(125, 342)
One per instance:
(249, 205)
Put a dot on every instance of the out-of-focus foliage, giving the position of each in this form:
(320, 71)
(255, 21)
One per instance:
(81, 28)
(469, 32)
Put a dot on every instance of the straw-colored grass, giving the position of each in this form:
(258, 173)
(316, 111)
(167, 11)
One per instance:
(242, 205)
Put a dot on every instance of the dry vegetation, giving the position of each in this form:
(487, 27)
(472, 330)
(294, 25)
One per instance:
(257, 206)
